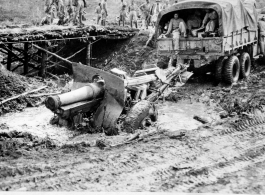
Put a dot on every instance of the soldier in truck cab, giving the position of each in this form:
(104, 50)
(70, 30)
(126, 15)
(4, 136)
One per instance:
(193, 21)
(209, 22)
(177, 27)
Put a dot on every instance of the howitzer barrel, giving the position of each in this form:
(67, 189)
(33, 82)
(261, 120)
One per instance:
(88, 92)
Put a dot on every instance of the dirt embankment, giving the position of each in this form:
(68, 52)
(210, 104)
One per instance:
(133, 55)
(16, 86)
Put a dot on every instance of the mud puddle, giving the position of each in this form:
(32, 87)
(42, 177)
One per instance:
(177, 116)
(172, 117)
(35, 121)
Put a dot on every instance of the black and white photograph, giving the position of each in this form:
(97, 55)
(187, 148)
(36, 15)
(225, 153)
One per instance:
(128, 96)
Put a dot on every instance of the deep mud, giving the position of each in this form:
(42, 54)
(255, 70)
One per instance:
(202, 160)
(179, 154)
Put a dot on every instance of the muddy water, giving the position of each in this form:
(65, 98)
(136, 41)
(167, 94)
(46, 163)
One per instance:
(177, 116)
(35, 121)
(172, 117)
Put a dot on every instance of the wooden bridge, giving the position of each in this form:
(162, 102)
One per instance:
(20, 44)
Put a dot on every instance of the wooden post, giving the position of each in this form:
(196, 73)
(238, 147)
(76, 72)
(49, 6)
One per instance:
(9, 57)
(39, 55)
(26, 58)
(89, 54)
(43, 61)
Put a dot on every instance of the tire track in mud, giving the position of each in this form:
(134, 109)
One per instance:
(210, 174)
(134, 168)
(51, 176)
(166, 171)
(40, 174)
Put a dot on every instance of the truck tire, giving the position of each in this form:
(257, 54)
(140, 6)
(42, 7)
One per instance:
(136, 115)
(219, 68)
(231, 70)
(245, 65)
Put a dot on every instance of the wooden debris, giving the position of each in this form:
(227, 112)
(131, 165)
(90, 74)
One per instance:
(44, 94)
(201, 119)
(75, 53)
(55, 55)
(23, 94)
(53, 76)
(134, 137)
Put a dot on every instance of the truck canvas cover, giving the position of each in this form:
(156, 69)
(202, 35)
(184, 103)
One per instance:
(233, 15)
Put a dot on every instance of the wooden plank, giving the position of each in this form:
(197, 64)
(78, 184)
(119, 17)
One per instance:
(3, 51)
(26, 58)
(53, 54)
(23, 94)
(43, 61)
(75, 53)
(12, 55)
(17, 67)
(89, 54)
(9, 56)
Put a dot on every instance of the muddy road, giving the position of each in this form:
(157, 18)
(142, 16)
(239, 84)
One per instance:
(202, 160)
(177, 154)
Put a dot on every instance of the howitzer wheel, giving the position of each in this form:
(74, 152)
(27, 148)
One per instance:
(137, 114)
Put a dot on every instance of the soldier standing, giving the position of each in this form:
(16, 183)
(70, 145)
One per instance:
(166, 5)
(48, 12)
(98, 12)
(69, 11)
(104, 12)
(157, 9)
(122, 13)
(60, 11)
(79, 8)
(132, 13)
(146, 9)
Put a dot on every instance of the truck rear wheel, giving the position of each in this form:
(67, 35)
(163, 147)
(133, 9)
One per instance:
(219, 68)
(231, 70)
(245, 65)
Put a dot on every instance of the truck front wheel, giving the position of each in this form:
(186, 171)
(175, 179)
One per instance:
(219, 68)
(245, 65)
(231, 70)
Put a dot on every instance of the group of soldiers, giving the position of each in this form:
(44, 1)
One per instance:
(102, 12)
(73, 11)
(149, 12)
(65, 10)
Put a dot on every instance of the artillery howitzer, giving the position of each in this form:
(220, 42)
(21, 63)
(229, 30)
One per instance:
(102, 96)
(105, 96)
